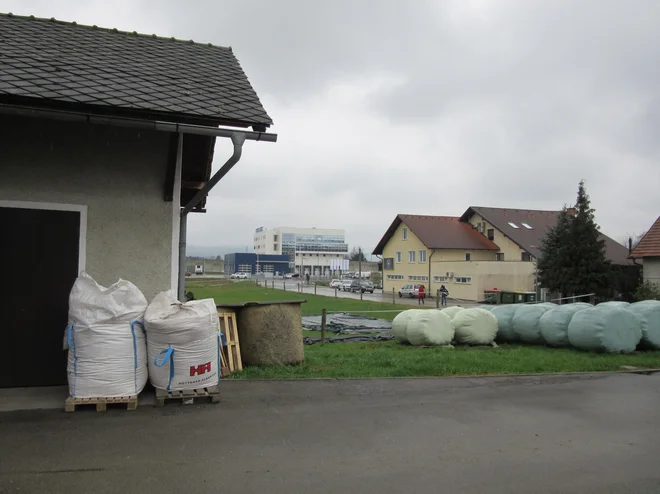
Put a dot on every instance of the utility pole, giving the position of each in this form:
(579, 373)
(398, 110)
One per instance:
(360, 270)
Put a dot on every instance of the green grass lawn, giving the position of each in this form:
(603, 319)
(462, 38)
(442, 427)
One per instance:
(247, 291)
(392, 359)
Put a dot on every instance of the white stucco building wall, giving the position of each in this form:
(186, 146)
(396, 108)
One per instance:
(119, 174)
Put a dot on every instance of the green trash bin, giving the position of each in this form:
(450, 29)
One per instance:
(530, 297)
(508, 297)
(518, 298)
(493, 297)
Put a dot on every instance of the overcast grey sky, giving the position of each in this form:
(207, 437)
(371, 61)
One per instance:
(427, 107)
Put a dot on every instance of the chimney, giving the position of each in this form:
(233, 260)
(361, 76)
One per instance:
(629, 245)
(571, 211)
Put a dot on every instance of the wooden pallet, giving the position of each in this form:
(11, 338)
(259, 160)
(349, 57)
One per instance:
(188, 396)
(101, 403)
(229, 328)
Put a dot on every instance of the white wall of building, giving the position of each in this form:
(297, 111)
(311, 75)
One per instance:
(118, 174)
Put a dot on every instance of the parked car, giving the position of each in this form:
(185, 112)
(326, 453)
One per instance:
(367, 286)
(335, 284)
(354, 286)
(239, 276)
(292, 276)
(409, 291)
(346, 285)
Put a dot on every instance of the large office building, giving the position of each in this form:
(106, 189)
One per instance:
(314, 251)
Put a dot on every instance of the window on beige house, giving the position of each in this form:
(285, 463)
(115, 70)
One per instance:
(411, 256)
(463, 280)
(440, 279)
(398, 257)
(499, 256)
(468, 256)
(418, 278)
(422, 256)
(491, 234)
(404, 234)
(393, 277)
(526, 257)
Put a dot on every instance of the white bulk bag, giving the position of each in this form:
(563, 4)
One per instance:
(475, 327)
(183, 343)
(195, 364)
(105, 338)
(430, 327)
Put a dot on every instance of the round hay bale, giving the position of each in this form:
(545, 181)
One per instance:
(649, 316)
(271, 334)
(553, 325)
(613, 304)
(400, 323)
(526, 322)
(504, 315)
(430, 327)
(452, 311)
(475, 327)
(605, 329)
(646, 302)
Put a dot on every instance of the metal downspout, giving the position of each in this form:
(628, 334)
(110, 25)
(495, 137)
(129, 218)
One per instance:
(237, 139)
(430, 292)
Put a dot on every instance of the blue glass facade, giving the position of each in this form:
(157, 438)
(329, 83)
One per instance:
(246, 262)
(298, 242)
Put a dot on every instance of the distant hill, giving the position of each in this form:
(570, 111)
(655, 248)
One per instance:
(214, 251)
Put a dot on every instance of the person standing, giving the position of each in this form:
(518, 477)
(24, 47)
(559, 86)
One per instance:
(420, 295)
(444, 293)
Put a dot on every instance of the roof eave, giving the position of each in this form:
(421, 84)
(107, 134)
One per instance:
(143, 114)
(378, 250)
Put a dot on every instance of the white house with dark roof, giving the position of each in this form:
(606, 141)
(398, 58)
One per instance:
(107, 145)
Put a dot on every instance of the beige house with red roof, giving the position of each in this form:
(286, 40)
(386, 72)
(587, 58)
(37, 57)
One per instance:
(648, 249)
(483, 249)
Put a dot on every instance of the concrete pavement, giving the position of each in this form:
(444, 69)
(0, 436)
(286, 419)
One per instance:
(555, 434)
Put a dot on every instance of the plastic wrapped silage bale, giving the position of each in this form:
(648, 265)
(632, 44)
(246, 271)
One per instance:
(400, 323)
(553, 325)
(649, 315)
(475, 327)
(504, 315)
(526, 322)
(452, 311)
(613, 304)
(605, 329)
(430, 327)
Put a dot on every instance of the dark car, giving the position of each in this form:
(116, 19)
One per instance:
(367, 286)
(354, 286)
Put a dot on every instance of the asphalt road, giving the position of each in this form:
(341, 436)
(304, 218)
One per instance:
(568, 435)
(377, 296)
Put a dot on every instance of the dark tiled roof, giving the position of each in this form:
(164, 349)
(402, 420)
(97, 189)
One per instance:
(541, 222)
(439, 232)
(649, 246)
(46, 62)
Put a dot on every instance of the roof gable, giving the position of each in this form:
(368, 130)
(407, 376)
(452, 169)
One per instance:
(61, 64)
(438, 232)
(649, 245)
(530, 239)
